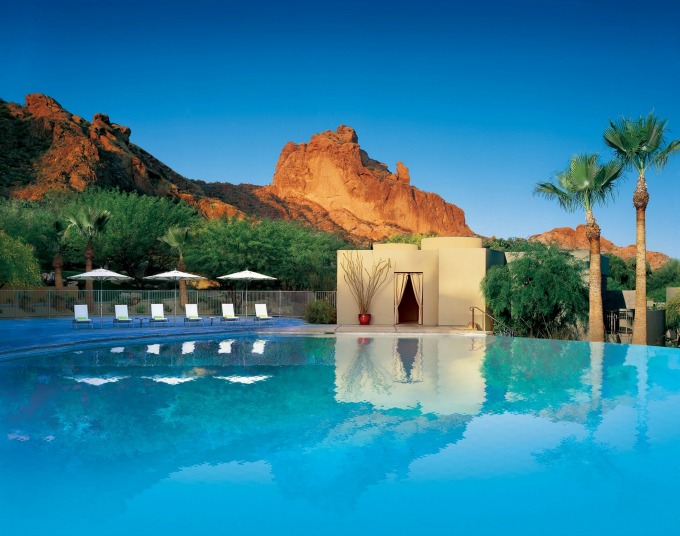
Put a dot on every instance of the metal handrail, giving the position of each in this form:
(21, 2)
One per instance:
(472, 310)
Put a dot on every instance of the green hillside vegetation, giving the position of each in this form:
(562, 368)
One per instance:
(18, 265)
(18, 150)
(540, 294)
(299, 257)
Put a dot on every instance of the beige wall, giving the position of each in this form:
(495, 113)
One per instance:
(452, 270)
(461, 273)
(382, 308)
(450, 242)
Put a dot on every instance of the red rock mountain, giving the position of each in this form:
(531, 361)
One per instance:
(99, 153)
(333, 176)
(330, 182)
(568, 238)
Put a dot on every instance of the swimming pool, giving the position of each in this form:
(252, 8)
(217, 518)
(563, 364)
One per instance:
(342, 435)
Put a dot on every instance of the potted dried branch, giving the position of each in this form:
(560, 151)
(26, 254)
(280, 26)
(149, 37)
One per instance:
(364, 289)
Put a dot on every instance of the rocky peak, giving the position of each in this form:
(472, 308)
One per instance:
(402, 174)
(332, 175)
(101, 126)
(38, 105)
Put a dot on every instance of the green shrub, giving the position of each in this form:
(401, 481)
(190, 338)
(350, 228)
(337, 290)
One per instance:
(673, 313)
(320, 312)
(540, 294)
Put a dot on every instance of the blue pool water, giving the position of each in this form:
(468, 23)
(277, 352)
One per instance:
(342, 435)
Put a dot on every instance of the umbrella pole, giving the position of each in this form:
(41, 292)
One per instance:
(175, 309)
(101, 314)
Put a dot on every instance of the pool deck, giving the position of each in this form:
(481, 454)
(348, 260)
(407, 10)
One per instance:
(28, 336)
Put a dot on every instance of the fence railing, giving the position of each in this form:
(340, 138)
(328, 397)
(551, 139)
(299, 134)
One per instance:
(59, 303)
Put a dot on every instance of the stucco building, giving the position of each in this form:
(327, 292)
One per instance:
(433, 286)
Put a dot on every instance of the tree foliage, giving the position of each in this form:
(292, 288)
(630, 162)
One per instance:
(540, 294)
(18, 265)
(621, 274)
(130, 242)
(666, 276)
(673, 312)
(414, 238)
(33, 223)
(300, 258)
(512, 244)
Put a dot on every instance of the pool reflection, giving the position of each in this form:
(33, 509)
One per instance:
(322, 419)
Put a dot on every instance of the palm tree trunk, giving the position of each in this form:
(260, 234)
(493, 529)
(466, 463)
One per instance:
(58, 264)
(183, 298)
(596, 315)
(640, 200)
(89, 284)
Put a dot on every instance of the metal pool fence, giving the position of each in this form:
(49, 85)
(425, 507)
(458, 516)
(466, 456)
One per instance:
(59, 303)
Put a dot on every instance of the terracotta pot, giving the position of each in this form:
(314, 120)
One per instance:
(364, 319)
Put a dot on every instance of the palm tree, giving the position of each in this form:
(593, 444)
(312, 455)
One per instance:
(57, 260)
(178, 238)
(583, 184)
(88, 222)
(640, 143)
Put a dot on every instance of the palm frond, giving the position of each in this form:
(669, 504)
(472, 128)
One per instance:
(661, 158)
(177, 238)
(550, 191)
(640, 142)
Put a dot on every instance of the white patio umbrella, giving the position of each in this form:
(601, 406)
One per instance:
(246, 275)
(101, 275)
(175, 275)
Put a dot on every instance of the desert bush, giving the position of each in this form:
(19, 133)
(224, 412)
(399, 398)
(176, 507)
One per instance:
(541, 294)
(673, 313)
(320, 312)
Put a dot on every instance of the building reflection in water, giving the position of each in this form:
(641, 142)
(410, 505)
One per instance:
(440, 375)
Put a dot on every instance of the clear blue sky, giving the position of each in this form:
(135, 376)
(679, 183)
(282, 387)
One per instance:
(479, 99)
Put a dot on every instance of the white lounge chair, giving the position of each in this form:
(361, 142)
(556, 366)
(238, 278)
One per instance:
(80, 316)
(228, 312)
(258, 346)
(261, 312)
(157, 314)
(122, 317)
(191, 311)
(225, 346)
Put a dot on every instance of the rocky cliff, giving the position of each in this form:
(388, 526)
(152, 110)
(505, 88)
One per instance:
(77, 153)
(332, 175)
(330, 182)
(568, 238)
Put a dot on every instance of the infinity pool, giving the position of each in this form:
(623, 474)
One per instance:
(342, 435)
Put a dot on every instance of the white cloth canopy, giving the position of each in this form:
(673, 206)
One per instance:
(246, 275)
(175, 275)
(101, 275)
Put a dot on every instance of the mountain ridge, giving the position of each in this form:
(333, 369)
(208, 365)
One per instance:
(330, 182)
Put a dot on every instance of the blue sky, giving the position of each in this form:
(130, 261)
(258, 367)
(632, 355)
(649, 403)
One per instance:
(479, 101)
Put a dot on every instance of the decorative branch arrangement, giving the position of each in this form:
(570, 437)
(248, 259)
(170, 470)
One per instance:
(362, 291)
